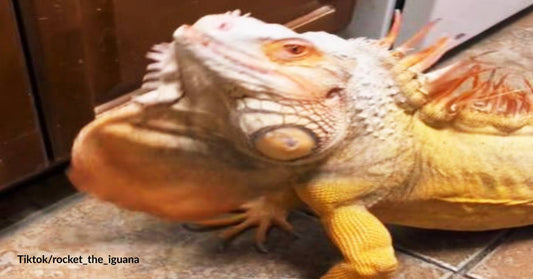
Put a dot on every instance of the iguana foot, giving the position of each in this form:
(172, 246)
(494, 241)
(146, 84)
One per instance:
(262, 213)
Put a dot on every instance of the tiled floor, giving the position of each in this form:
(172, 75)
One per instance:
(82, 226)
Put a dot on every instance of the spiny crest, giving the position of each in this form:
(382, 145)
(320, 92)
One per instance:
(164, 60)
(161, 82)
(162, 55)
(237, 12)
(469, 94)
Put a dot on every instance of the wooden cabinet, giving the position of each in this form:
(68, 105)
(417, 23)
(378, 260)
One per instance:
(21, 147)
(84, 53)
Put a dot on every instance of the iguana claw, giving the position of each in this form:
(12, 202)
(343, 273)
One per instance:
(261, 213)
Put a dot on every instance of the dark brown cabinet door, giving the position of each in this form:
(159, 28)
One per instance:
(21, 148)
(88, 52)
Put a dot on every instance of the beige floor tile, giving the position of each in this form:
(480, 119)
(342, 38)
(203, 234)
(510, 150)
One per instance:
(511, 260)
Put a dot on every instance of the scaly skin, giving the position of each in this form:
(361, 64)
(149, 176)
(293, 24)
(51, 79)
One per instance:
(357, 132)
(465, 181)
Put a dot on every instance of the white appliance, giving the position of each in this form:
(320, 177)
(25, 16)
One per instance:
(372, 17)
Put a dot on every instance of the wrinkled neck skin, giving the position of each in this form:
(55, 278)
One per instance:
(203, 93)
(200, 86)
(378, 149)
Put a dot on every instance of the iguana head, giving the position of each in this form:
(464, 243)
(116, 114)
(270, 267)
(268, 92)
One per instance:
(284, 91)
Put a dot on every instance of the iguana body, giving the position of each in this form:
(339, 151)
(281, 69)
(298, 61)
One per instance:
(243, 114)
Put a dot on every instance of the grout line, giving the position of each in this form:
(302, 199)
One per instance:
(426, 259)
(480, 252)
(463, 270)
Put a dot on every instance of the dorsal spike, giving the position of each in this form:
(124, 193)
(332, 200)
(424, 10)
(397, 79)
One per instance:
(446, 93)
(236, 12)
(528, 96)
(513, 105)
(456, 77)
(528, 84)
(445, 74)
(391, 37)
(411, 42)
(501, 81)
(426, 58)
(418, 57)
(478, 93)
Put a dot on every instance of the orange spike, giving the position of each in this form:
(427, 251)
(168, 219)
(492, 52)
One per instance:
(476, 57)
(475, 82)
(488, 85)
(411, 42)
(491, 77)
(440, 95)
(478, 93)
(444, 89)
(445, 73)
(501, 81)
(434, 56)
(520, 100)
(389, 40)
(496, 100)
(528, 96)
(464, 98)
(527, 104)
(442, 78)
(420, 56)
(528, 84)
(512, 106)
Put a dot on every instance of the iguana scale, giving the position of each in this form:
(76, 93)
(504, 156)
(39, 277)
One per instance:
(241, 114)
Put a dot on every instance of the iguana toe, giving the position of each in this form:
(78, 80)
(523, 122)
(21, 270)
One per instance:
(220, 221)
(261, 213)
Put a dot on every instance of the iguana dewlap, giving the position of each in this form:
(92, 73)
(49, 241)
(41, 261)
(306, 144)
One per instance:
(243, 114)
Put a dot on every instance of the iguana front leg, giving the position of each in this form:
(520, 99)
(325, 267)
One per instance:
(362, 239)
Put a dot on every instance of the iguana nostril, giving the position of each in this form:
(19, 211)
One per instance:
(224, 26)
(285, 143)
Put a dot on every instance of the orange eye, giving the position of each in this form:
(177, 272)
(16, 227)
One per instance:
(295, 49)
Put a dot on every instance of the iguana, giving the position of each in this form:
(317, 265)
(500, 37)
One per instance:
(238, 114)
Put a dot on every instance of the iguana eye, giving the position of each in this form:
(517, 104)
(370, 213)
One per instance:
(290, 50)
(295, 49)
